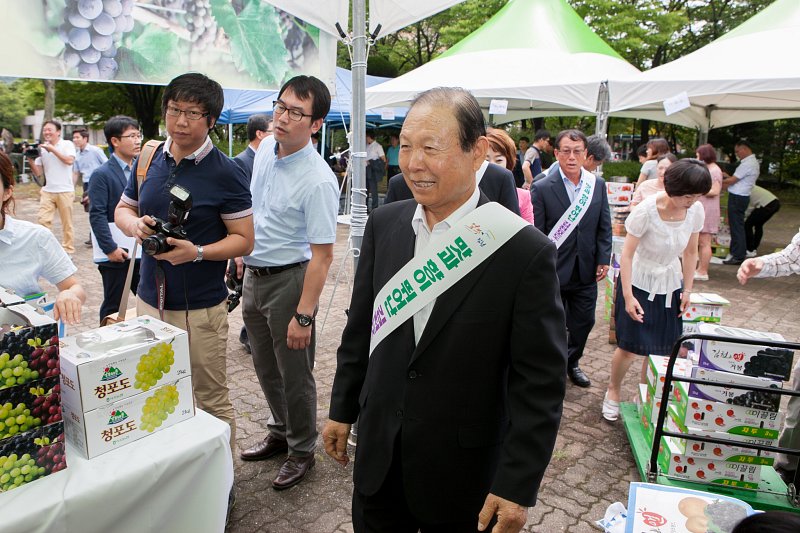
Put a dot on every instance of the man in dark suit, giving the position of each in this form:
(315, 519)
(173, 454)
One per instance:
(496, 182)
(108, 182)
(584, 255)
(459, 406)
(259, 127)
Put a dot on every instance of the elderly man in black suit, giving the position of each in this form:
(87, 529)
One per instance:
(458, 406)
(496, 182)
(584, 251)
(259, 127)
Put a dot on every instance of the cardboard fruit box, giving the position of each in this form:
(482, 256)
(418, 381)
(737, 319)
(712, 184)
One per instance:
(8, 298)
(716, 390)
(657, 372)
(108, 364)
(114, 425)
(619, 193)
(28, 406)
(673, 462)
(716, 416)
(28, 346)
(32, 455)
(705, 307)
(747, 359)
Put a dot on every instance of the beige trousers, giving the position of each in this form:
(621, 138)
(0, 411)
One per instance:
(208, 340)
(49, 202)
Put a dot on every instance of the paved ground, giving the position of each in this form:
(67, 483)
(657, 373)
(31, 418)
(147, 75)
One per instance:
(592, 464)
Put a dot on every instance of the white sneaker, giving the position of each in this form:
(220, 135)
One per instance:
(700, 277)
(751, 253)
(610, 409)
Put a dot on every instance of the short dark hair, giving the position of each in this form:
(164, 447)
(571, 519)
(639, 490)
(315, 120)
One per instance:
(572, 135)
(642, 150)
(55, 123)
(541, 134)
(658, 146)
(305, 87)
(598, 148)
(7, 175)
(769, 522)
(524, 138)
(465, 107)
(256, 123)
(371, 134)
(83, 132)
(744, 142)
(687, 176)
(706, 154)
(117, 125)
(195, 88)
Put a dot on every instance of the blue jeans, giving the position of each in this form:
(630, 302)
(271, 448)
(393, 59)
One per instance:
(737, 205)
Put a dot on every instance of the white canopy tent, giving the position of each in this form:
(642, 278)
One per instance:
(748, 74)
(555, 70)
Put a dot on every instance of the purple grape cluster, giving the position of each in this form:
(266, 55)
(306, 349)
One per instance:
(92, 31)
(200, 23)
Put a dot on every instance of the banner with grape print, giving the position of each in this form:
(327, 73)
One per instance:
(240, 43)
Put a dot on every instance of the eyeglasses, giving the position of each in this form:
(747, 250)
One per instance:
(132, 136)
(191, 115)
(294, 114)
(575, 152)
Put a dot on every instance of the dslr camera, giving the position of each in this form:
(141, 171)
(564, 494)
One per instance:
(32, 151)
(179, 206)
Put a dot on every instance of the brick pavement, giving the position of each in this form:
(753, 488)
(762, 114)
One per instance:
(592, 464)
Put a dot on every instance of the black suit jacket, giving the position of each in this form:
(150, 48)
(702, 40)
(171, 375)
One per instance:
(497, 184)
(105, 190)
(477, 403)
(245, 160)
(590, 243)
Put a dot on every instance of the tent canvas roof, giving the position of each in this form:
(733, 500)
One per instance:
(537, 54)
(746, 75)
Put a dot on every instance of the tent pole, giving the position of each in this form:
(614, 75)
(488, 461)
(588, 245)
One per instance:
(601, 128)
(323, 139)
(358, 146)
(230, 140)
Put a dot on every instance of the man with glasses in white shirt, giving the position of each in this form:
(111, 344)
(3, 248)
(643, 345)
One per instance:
(295, 203)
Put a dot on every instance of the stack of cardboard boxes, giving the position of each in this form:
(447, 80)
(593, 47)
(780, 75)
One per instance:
(620, 196)
(31, 427)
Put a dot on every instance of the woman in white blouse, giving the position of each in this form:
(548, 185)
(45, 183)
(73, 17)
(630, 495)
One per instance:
(653, 288)
(28, 251)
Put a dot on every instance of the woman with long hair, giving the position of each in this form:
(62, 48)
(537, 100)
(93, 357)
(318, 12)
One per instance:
(503, 152)
(652, 289)
(710, 203)
(28, 251)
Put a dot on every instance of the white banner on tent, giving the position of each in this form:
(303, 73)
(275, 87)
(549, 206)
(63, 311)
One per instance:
(677, 103)
(498, 107)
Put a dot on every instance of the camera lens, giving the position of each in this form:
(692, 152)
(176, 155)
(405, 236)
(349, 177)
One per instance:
(155, 244)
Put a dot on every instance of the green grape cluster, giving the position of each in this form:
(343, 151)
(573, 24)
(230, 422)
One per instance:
(14, 420)
(153, 365)
(158, 407)
(15, 371)
(14, 471)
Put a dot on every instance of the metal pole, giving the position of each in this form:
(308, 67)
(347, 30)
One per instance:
(230, 140)
(358, 146)
(601, 127)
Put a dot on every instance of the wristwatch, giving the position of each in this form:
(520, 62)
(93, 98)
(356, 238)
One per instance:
(304, 320)
(199, 255)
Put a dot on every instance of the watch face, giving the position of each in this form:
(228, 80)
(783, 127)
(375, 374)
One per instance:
(303, 320)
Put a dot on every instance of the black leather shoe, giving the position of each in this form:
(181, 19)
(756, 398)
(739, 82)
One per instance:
(244, 339)
(269, 447)
(577, 376)
(292, 472)
(733, 261)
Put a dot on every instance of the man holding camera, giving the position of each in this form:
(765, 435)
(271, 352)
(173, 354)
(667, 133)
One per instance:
(296, 199)
(56, 156)
(197, 189)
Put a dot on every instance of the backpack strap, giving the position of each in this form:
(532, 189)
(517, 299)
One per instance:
(145, 158)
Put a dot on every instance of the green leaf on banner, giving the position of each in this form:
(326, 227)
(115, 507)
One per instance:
(256, 43)
(155, 53)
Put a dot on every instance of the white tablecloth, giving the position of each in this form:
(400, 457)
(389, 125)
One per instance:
(176, 480)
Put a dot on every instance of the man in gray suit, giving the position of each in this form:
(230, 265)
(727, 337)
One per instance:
(259, 127)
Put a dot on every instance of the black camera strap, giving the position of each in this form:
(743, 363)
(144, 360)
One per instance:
(161, 289)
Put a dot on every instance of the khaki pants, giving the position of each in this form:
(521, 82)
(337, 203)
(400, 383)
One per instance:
(208, 340)
(62, 201)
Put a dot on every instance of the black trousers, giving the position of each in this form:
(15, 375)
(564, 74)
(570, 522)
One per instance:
(387, 510)
(113, 285)
(579, 300)
(754, 225)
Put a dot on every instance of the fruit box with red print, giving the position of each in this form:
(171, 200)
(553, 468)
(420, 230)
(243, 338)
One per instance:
(717, 416)
(656, 508)
(674, 463)
(747, 359)
(105, 365)
(704, 307)
(657, 372)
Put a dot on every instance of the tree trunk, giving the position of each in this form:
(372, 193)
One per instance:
(49, 101)
(146, 99)
(538, 123)
(644, 131)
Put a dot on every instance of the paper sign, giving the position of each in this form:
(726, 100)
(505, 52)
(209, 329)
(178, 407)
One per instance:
(498, 107)
(387, 113)
(676, 103)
